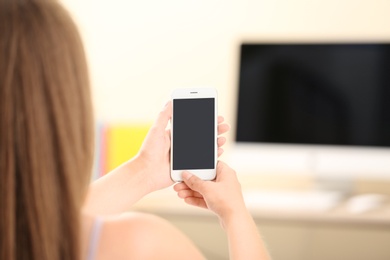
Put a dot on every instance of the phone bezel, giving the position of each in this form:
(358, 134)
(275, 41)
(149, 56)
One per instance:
(195, 93)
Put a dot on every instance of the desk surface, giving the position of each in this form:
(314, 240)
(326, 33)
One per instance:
(269, 206)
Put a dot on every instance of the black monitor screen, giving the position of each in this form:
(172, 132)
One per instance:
(331, 94)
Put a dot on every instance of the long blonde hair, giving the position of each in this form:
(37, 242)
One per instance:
(46, 131)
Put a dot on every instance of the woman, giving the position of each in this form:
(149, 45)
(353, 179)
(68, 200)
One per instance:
(48, 210)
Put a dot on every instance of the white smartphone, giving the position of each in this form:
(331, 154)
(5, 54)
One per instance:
(194, 133)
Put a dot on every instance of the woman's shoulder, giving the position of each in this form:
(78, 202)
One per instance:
(143, 236)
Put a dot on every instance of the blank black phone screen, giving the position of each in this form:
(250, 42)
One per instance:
(193, 140)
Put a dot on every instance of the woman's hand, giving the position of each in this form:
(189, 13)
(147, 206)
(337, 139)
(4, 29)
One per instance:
(147, 172)
(222, 196)
(154, 154)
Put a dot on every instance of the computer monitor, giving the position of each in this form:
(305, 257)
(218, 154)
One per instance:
(317, 108)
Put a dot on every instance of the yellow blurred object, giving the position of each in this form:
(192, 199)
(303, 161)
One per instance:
(123, 143)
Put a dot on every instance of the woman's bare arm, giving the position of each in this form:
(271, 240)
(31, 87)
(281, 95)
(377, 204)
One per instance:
(224, 197)
(149, 171)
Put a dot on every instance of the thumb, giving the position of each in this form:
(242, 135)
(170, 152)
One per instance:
(193, 182)
(164, 116)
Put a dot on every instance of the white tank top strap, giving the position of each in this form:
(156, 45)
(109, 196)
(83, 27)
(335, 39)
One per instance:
(94, 238)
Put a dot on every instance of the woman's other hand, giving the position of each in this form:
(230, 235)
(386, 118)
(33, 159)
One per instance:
(154, 154)
(222, 196)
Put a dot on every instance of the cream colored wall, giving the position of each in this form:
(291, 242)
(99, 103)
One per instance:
(140, 50)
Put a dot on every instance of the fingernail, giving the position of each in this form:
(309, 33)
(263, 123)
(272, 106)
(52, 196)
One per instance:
(186, 175)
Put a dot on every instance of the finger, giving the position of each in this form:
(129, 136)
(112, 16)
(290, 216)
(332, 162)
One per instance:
(189, 193)
(224, 171)
(164, 116)
(223, 128)
(220, 166)
(193, 182)
(220, 151)
(221, 141)
(168, 137)
(196, 202)
(180, 186)
(220, 119)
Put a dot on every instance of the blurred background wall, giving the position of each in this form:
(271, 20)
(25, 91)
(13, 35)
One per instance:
(139, 51)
